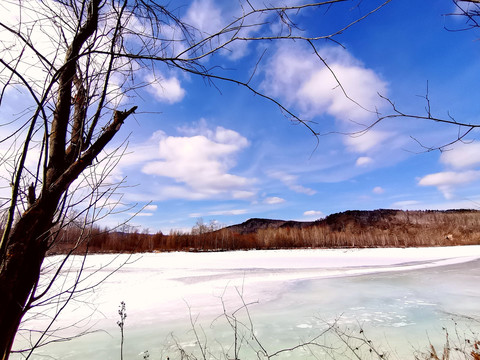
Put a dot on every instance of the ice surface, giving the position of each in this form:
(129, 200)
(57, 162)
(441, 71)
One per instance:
(404, 296)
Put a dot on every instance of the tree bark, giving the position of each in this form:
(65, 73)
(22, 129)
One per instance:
(57, 160)
(20, 269)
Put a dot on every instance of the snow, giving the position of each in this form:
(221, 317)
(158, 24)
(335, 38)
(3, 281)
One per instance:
(151, 281)
(285, 285)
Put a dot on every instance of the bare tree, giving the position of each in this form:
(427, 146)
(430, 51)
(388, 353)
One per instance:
(70, 66)
(332, 339)
(469, 12)
(201, 227)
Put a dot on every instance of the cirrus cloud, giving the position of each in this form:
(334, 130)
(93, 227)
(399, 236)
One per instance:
(291, 181)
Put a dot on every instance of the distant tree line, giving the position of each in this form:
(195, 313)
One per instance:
(379, 228)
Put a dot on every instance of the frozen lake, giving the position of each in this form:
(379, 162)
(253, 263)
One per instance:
(400, 298)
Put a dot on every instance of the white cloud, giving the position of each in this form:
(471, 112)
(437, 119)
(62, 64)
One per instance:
(460, 162)
(208, 18)
(228, 212)
(273, 200)
(448, 178)
(447, 181)
(406, 204)
(243, 194)
(463, 155)
(314, 214)
(166, 90)
(303, 190)
(219, 213)
(48, 25)
(202, 164)
(301, 79)
(322, 93)
(205, 16)
(219, 134)
(33, 20)
(363, 161)
(144, 214)
(291, 182)
(141, 153)
(378, 190)
(150, 208)
(368, 141)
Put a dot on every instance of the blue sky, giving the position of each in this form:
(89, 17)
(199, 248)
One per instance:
(227, 155)
(221, 153)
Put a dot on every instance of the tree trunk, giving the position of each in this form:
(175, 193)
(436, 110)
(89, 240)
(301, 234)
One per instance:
(20, 269)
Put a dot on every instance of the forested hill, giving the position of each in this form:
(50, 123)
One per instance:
(361, 220)
(376, 228)
(255, 224)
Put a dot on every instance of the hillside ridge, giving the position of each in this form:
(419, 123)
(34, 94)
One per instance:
(354, 218)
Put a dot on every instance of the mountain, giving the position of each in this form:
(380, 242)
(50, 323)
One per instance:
(253, 225)
(364, 219)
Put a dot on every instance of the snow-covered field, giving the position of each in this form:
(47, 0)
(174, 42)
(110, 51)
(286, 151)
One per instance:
(408, 292)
